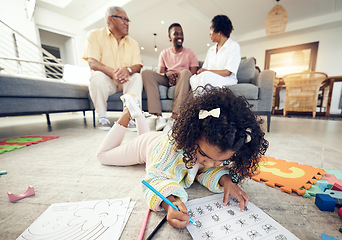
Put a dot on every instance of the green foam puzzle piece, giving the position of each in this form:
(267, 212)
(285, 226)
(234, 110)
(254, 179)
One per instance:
(8, 148)
(23, 140)
(314, 189)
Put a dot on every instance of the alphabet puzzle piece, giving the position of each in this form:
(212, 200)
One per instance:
(289, 176)
(331, 178)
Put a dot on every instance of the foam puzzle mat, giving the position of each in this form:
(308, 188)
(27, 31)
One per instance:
(20, 142)
(331, 177)
(289, 176)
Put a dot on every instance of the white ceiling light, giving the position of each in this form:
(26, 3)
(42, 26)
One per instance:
(276, 20)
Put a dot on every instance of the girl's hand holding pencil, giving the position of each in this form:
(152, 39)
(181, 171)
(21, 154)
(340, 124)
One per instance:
(177, 213)
(176, 218)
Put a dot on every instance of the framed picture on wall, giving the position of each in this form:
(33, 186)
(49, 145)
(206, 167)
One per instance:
(292, 59)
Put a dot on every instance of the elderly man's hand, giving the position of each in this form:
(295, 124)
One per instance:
(121, 75)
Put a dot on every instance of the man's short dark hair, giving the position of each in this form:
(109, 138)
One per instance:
(173, 25)
(222, 23)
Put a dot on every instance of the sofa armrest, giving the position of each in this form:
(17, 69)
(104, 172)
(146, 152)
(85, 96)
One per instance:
(265, 82)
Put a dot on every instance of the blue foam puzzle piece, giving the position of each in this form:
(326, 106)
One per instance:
(324, 186)
(325, 202)
(327, 237)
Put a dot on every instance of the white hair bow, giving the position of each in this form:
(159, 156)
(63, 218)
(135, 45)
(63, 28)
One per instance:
(248, 135)
(214, 113)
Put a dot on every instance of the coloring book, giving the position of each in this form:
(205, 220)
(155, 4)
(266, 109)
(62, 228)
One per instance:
(101, 219)
(215, 221)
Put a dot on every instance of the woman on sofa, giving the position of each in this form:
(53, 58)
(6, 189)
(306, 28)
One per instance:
(222, 60)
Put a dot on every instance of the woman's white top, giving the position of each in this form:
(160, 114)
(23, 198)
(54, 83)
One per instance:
(228, 57)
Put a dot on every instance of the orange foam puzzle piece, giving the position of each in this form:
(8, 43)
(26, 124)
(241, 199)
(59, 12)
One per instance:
(289, 176)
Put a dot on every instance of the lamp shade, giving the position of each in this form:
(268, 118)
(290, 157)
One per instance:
(276, 20)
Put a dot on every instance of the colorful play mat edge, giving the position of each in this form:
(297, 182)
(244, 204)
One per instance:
(20, 142)
(295, 177)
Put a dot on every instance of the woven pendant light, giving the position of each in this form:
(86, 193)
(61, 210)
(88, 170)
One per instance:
(276, 20)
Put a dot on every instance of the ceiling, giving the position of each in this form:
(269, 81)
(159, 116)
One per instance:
(248, 18)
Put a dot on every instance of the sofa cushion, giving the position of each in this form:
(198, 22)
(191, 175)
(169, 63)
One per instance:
(249, 91)
(171, 92)
(246, 71)
(19, 86)
(163, 91)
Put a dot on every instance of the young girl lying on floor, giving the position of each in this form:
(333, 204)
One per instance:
(216, 140)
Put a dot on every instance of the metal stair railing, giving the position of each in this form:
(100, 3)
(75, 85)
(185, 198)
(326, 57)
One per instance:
(19, 55)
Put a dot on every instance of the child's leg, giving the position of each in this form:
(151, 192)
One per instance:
(142, 126)
(111, 152)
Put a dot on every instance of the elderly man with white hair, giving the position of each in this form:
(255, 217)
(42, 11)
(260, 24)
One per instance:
(115, 60)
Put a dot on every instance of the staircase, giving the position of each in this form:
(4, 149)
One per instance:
(21, 56)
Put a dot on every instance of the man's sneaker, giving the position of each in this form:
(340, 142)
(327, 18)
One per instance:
(133, 108)
(160, 123)
(132, 126)
(104, 124)
(147, 114)
(169, 125)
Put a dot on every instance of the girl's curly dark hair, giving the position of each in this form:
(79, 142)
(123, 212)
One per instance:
(228, 132)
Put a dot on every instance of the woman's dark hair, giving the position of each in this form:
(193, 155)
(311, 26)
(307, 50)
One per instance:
(228, 132)
(222, 24)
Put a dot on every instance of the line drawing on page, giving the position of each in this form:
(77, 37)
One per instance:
(215, 221)
(81, 220)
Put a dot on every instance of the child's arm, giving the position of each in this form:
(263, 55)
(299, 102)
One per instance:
(166, 173)
(231, 188)
(178, 219)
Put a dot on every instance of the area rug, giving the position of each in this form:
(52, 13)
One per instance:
(20, 142)
(289, 176)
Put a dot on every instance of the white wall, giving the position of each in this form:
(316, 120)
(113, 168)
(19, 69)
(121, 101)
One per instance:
(54, 22)
(13, 14)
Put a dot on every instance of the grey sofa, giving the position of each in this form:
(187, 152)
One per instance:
(27, 96)
(256, 87)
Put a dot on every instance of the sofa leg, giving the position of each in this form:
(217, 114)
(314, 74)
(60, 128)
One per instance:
(94, 118)
(268, 121)
(48, 119)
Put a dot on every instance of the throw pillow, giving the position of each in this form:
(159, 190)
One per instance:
(246, 71)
